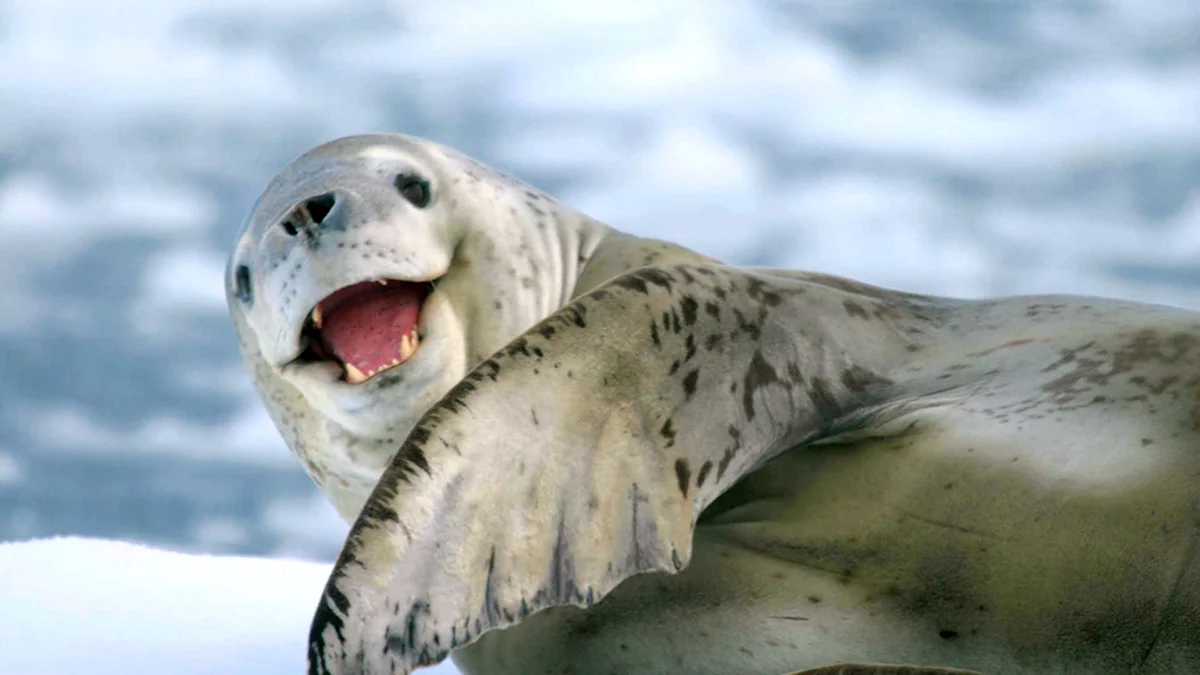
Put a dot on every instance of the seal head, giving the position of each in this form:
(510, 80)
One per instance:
(371, 274)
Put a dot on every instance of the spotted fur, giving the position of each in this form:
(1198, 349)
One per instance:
(695, 468)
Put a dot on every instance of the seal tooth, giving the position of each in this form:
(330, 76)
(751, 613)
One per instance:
(354, 375)
(316, 317)
(408, 345)
(382, 282)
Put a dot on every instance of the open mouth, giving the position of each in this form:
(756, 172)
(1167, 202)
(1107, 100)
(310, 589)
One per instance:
(366, 328)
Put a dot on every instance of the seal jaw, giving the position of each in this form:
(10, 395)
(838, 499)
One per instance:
(365, 328)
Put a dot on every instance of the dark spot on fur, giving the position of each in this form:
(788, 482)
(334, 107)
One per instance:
(758, 375)
(518, 346)
(574, 313)
(857, 379)
(758, 290)
(748, 328)
(491, 367)
(703, 474)
(735, 435)
(793, 372)
(688, 305)
(668, 432)
(632, 283)
(683, 473)
(854, 309)
(640, 280)
(689, 384)
(822, 399)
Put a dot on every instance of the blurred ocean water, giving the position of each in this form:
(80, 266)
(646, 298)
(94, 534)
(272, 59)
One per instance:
(959, 147)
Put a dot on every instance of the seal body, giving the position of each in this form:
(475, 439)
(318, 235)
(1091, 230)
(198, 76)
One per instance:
(591, 453)
(1040, 520)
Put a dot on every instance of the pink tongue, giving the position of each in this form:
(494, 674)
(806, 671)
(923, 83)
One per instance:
(364, 327)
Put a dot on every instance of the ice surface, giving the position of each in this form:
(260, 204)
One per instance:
(74, 605)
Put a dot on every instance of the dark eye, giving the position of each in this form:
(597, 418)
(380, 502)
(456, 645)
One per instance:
(415, 190)
(241, 285)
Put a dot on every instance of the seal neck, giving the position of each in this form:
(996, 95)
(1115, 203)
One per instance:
(533, 254)
(523, 251)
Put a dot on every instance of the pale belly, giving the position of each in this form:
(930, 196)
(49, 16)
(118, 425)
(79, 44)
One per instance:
(941, 547)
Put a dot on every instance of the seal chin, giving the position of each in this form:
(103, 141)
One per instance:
(360, 331)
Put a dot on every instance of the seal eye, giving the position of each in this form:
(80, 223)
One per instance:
(241, 281)
(415, 190)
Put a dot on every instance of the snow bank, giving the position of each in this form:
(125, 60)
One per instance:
(102, 607)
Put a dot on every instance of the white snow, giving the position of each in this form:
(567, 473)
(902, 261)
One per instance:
(73, 605)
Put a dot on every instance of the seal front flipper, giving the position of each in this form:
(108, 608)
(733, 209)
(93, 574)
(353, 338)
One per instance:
(582, 453)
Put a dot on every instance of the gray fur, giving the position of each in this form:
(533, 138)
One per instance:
(698, 468)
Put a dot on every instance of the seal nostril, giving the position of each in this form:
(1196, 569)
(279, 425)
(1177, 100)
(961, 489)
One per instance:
(290, 228)
(320, 206)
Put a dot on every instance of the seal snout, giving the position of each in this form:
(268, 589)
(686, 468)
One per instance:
(310, 215)
(367, 328)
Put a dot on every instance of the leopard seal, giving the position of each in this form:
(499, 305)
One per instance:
(568, 449)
